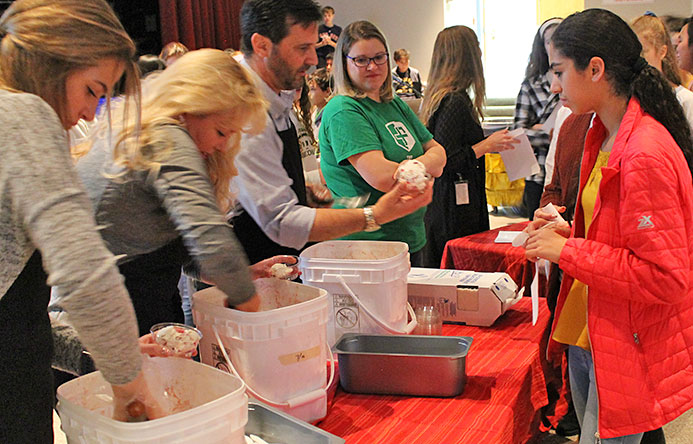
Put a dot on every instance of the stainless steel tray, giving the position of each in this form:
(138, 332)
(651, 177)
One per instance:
(403, 365)
(273, 425)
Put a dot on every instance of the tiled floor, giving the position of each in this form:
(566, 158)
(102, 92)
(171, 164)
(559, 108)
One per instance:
(679, 431)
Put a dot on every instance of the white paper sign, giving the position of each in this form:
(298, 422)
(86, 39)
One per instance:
(520, 162)
(506, 237)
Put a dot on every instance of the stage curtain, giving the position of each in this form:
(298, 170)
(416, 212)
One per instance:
(201, 23)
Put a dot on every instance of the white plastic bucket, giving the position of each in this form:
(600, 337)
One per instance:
(367, 282)
(217, 407)
(280, 351)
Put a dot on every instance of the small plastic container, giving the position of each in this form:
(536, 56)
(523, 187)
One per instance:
(429, 321)
(180, 339)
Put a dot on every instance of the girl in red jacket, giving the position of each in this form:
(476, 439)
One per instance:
(626, 303)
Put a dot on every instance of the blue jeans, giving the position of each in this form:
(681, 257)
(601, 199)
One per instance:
(186, 289)
(584, 393)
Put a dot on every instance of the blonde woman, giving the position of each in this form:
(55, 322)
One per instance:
(57, 57)
(659, 52)
(160, 190)
(459, 196)
(367, 132)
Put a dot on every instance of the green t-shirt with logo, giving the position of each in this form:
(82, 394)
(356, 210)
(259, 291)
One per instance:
(351, 126)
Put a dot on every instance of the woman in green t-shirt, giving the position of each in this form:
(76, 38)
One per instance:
(367, 132)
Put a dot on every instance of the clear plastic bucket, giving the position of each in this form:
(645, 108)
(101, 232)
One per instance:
(280, 351)
(367, 282)
(205, 406)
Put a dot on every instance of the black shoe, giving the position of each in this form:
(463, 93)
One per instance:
(568, 425)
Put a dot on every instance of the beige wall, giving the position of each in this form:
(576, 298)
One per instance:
(629, 11)
(547, 9)
(414, 24)
(410, 24)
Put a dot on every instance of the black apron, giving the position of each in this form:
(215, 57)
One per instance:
(152, 281)
(26, 353)
(255, 242)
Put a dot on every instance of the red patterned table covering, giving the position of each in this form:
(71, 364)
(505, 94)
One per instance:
(479, 252)
(505, 388)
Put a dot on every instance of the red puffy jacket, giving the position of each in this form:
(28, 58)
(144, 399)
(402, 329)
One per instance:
(637, 261)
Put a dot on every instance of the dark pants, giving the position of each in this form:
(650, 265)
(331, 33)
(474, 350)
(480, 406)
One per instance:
(531, 197)
(152, 281)
(654, 437)
(26, 350)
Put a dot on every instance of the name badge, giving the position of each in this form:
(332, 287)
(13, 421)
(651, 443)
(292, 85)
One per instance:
(462, 192)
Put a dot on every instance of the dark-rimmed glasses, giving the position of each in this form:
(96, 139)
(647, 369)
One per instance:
(363, 61)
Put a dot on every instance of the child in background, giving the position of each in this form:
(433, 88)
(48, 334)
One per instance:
(328, 33)
(320, 90)
(405, 79)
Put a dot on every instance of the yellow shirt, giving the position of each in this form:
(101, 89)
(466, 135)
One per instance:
(571, 327)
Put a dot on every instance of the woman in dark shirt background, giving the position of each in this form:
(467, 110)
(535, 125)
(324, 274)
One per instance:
(459, 196)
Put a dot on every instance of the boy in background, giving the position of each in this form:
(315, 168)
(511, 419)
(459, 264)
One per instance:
(328, 33)
(405, 80)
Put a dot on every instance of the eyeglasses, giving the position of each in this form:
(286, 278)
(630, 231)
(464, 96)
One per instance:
(363, 61)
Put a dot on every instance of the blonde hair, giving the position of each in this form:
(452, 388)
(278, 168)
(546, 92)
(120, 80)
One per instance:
(653, 30)
(455, 67)
(354, 32)
(44, 41)
(201, 83)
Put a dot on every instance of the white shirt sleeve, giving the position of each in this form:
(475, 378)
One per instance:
(563, 114)
(685, 98)
(263, 188)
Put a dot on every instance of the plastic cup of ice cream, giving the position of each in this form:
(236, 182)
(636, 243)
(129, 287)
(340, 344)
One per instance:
(180, 339)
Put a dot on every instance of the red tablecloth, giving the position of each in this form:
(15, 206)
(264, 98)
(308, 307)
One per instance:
(505, 388)
(480, 252)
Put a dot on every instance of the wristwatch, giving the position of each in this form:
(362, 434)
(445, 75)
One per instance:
(371, 224)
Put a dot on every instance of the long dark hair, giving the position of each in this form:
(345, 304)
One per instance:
(538, 59)
(302, 110)
(600, 33)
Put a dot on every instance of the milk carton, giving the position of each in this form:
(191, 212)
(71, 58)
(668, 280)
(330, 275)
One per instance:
(461, 296)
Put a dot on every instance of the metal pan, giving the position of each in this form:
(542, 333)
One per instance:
(403, 365)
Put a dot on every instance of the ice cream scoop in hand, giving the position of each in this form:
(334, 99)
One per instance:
(413, 173)
(280, 267)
